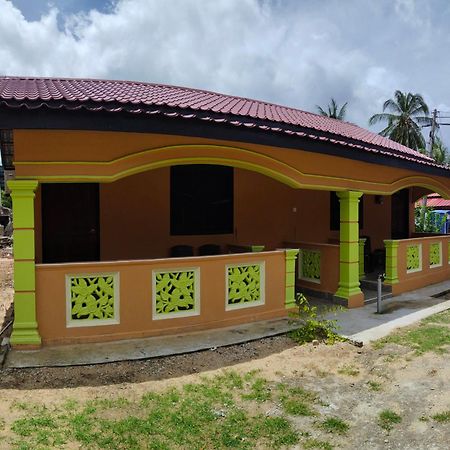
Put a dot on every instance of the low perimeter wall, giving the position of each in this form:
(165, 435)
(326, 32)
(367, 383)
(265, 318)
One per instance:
(89, 302)
(420, 262)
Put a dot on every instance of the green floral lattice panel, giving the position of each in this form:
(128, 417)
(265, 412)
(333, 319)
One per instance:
(92, 298)
(244, 284)
(413, 258)
(174, 292)
(310, 265)
(435, 254)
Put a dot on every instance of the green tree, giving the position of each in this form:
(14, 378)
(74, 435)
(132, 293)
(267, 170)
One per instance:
(6, 199)
(404, 114)
(333, 110)
(439, 151)
(426, 221)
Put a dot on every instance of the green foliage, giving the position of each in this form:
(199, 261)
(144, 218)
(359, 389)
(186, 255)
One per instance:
(387, 419)
(333, 111)
(351, 371)
(259, 391)
(404, 114)
(296, 401)
(335, 425)
(6, 200)
(439, 152)
(312, 325)
(315, 443)
(374, 385)
(442, 417)
(426, 221)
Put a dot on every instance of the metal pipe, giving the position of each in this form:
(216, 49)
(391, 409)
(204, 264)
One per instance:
(379, 308)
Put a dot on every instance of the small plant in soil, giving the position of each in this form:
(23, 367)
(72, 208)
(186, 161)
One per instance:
(348, 370)
(315, 443)
(387, 419)
(335, 425)
(313, 326)
(442, 417)
(296, 401)
(374, 385)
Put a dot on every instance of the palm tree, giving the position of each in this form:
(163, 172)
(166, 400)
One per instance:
(333, 110)
(406, 113)
(439, 151)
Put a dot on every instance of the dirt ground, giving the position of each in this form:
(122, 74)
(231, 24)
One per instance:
(354, 384)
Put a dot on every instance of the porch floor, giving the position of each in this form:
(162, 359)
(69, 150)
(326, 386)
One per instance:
(360, 324)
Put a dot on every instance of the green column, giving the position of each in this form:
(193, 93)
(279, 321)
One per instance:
(362, 243)
(349, 249)
(291, 256)
(25, 330)
(391, 262)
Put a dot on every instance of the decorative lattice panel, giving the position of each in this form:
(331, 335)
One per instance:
(92, 298)
(414, 258)
(435, 254)
(310, 265)
(245, 285)
(175, 292)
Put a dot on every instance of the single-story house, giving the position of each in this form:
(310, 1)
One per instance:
(143, 209)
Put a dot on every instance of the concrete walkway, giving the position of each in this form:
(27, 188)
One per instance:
(361, 324)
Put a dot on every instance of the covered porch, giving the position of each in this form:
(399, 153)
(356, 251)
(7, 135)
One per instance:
(95, 261)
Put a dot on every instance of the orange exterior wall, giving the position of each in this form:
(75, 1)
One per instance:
(136, 297)
(115, 154)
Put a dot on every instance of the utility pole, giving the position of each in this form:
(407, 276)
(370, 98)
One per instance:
(433, 131)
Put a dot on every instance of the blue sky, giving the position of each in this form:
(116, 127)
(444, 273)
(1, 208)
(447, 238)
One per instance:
(294, 52)
(34, 9)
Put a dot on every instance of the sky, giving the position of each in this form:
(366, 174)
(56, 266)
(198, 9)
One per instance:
(297, 53)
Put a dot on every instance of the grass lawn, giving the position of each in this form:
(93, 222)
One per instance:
(432, 334)
(227, 411)
(243, 410)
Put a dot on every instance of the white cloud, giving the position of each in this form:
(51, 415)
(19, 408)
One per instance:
(289, 52)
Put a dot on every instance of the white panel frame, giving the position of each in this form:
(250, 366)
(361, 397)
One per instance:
(70, 323)
(197, 296)
(262, 286)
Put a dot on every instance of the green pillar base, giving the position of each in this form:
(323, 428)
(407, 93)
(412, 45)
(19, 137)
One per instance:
(25, 336)
(352, 301)
(347, 293)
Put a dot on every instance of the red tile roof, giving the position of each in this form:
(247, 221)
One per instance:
(435, 201)
(172, 101)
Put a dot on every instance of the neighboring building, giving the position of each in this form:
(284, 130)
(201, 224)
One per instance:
(114, 177)
(435, 201)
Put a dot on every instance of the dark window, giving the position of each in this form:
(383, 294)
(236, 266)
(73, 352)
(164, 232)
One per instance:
(400, 214)
(335, 212)
(201, 200)
(70, 222)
